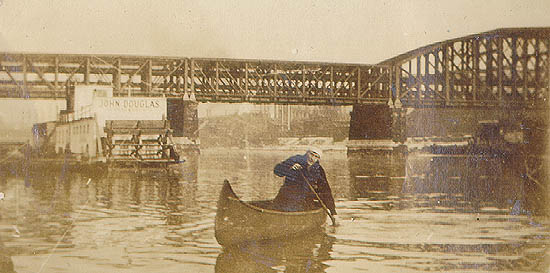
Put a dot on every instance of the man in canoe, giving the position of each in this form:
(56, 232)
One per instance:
(295, 194)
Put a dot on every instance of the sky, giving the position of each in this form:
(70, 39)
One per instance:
(366, 32)
(353, 31)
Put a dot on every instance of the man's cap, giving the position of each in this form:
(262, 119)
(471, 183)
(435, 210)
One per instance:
(316, 150)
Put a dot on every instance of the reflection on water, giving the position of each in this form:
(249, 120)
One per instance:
(441, 213)
(6, 264)
(462, 183)
(396, 213)
(304, 254)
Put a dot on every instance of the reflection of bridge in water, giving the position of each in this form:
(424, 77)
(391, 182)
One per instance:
(462, 183)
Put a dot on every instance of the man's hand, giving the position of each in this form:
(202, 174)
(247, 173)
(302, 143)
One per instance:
(336, 221)
(296, 167)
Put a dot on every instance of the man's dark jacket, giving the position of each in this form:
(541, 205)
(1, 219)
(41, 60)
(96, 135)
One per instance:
(295, 194)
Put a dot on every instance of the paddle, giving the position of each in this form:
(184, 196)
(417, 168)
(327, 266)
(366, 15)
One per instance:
(319, 198)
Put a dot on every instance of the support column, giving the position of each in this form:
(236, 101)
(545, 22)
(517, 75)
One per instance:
(184, 122)
(399, 125)
(191, 121)
(56, 73)
(500, 67)
(87, 71)
(146, 78)
(116, 76)
(446, 74)
(25, 78)
(371, 122)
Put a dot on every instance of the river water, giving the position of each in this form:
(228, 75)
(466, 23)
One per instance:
(412, 213)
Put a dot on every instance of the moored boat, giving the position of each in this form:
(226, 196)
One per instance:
(101, 126)
(238, 221)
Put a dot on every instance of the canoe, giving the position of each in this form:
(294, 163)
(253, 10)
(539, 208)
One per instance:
(238, 221)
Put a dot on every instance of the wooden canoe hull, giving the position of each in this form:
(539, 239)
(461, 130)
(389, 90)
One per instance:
(238, 221)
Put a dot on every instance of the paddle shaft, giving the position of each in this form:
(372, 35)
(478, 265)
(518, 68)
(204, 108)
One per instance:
(319, 198)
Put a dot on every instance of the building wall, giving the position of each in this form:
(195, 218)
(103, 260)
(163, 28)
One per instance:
(79, 137)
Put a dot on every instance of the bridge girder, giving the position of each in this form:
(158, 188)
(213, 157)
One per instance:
(504, 67)
(210, 80)
(500, 68)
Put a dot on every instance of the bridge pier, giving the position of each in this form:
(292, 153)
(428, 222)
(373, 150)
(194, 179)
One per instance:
(183, 117)
(372, 122)
(518, 170)
(393, 126)
(377, 123)
(399, 124)
(446, 122)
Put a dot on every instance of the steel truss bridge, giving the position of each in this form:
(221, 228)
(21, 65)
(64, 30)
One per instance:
(500, 68)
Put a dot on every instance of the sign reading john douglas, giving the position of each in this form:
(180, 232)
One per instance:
(131, 104)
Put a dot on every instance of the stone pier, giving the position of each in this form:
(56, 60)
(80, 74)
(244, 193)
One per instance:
(384, 122)
(183, 117)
